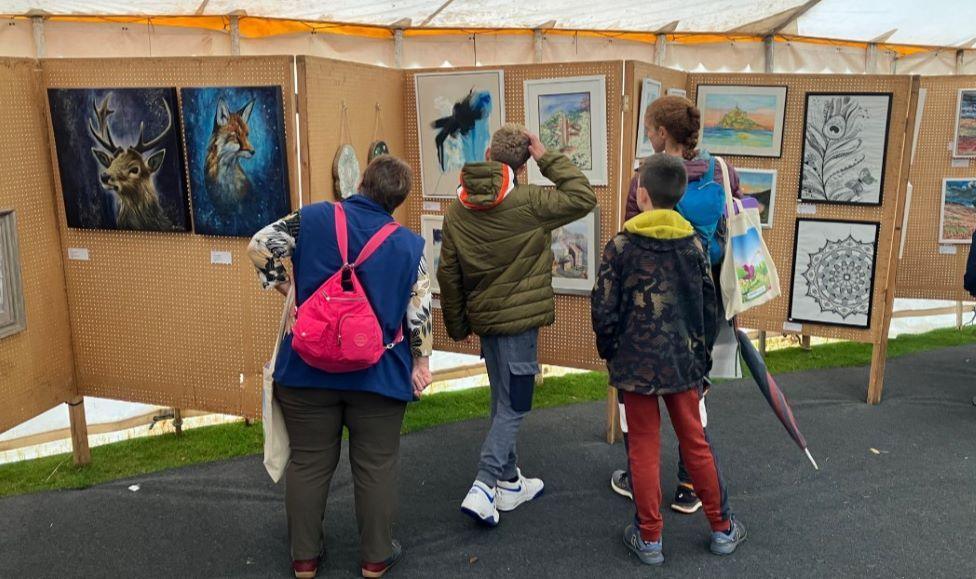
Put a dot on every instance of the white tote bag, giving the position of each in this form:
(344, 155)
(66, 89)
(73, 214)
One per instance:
(749, 276)
(276, 448)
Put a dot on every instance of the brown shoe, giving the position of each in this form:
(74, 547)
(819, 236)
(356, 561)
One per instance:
(374, 570)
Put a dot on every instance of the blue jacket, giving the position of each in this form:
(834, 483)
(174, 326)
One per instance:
(388, 278)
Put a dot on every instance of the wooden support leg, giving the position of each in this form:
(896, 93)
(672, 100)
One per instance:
(762, 343)
(79, 431)
(805, 342)
(959, 315)
(879, 356)
(178, 421)
(613, 416)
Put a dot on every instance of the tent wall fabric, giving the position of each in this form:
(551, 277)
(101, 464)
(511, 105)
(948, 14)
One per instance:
(36, 368)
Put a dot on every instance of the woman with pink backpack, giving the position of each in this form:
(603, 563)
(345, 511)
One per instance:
(357, 354)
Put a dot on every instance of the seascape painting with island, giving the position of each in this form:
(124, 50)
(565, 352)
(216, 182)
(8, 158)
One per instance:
(742, 120)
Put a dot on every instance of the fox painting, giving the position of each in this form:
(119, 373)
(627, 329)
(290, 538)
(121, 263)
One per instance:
(235, 147)
(227, 183)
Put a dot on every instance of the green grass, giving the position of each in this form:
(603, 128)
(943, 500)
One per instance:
(144, 455)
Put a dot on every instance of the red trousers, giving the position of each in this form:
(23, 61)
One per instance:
(644, 454)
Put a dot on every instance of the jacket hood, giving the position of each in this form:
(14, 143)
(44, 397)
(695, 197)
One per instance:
(660, 224)
(485, 185)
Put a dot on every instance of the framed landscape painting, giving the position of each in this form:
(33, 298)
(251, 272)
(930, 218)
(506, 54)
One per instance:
(457, 113)
(742, 120)
(12, 313)
(120, 158)
(845, 141)
(575, 257)
(965, 142)
(760, 184)
(958, 221)
(570, 116)
(650, 92)
(235, 148)
(833, 272)
(431, 229)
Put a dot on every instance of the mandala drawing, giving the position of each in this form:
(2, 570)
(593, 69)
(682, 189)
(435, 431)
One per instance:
(839, 276)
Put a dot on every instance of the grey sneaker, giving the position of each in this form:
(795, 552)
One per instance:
(727, 543)
(620, 483)
(649, 553)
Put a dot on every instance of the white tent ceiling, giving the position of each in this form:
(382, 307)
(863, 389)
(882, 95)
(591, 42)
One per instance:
(932, 22)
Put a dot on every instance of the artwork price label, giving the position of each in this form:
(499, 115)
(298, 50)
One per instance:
(947, 250)
(806, 209)
(793, 327)
(221, 258)
(435, 303)
(432, 206)
(78, 254)
(960, 163)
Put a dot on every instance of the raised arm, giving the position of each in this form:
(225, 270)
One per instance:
(573, 197)
(270, 247)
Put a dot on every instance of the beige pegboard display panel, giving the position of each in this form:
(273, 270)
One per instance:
(36, 370)
(570, 341)
(780, 237)
(152, 319)
(924, 271)
(326, 85)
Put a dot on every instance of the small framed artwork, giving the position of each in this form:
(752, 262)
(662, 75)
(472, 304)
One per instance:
(575, 257)
(431, 229)
(845, 141)
(650, 92)
(677, 92)
(457, 113)
(570, 116)
(965, 141)
(958, 216)
(742, 120)
(13, 318)
(760, 184)
(833, 272)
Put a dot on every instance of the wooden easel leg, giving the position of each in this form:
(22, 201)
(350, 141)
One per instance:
(79, 431)
(959, 315)
(613, 416)
(879, 355)
(805, 342)
(762, 343)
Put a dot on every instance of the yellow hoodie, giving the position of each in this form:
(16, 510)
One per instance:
(660, 224)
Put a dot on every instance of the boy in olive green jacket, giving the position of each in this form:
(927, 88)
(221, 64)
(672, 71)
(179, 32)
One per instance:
(495, 277)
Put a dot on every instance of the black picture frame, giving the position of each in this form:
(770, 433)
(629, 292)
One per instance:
(884, 152)
(874, 271)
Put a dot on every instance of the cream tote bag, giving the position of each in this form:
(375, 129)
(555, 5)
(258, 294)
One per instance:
(749, 276)
(276, 448)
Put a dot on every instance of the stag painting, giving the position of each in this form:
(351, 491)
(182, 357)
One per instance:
(119, 158)
(237, 160)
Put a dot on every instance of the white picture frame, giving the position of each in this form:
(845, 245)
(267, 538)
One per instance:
(969, 96)
(742, 120)
(436, 95)
(431, 229)
(574, 268)
(585, 97)
(13, 315)
(650, 92)
(760, 184)
(962, 221)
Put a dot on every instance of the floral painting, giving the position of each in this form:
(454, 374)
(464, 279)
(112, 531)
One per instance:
(760, 184)
(574, 264)
(965, 143)
(742, 120)
(844, 146)
(958, 211)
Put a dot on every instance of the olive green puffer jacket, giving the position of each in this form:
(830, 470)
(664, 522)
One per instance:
(495, 271)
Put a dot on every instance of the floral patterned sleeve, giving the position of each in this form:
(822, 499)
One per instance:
(418, 314)
(271, 246)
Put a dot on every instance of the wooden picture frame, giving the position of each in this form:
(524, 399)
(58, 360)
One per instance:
(13, 316)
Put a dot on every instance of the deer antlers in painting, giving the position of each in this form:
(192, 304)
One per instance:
(128, 172)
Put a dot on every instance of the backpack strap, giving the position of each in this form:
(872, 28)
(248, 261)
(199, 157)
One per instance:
(342, 235)
(376, 241)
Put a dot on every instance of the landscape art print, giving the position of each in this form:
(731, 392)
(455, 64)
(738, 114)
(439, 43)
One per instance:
(650, 92)
(742, 120)
(575, 257)
(833, 272)
(432, 230)
(570, 116)
(965, 142)
(12, 313)
(457, 113)
(844, 144)
(235, 145)
(958, 220)
(760, 184)
(119, 158)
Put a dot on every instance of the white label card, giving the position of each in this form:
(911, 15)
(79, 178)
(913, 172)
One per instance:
(792, 327)
(806, 209)
(963, 163)
(435, 303)
(947, 250)
(78, 253)
(221, 258)
(432, 206)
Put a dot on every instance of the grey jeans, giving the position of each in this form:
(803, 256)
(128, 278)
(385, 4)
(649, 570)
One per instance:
(512, 363)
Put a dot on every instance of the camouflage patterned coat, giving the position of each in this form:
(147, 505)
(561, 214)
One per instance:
(653, 306)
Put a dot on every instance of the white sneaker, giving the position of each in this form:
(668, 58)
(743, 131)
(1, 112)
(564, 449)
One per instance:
(480, 504)
(511, 495)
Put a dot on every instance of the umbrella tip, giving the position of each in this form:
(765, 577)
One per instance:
(810, 456)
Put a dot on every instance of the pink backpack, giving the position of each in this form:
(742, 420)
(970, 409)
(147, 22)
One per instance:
(336, 328)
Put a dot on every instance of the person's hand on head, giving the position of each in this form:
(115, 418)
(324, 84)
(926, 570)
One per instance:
(536, 148)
